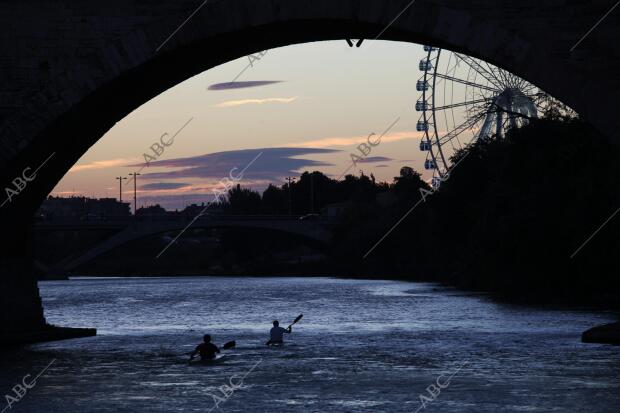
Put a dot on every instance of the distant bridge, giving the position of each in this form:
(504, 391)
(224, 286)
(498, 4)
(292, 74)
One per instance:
(131, 228)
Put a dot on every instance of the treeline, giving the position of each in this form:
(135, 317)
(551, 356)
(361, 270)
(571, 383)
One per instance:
(314, 191)
(508, 220)
(511, 217)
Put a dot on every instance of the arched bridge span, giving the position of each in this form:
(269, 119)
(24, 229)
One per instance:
(72, 69)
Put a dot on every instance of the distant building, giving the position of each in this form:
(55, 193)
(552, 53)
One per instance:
(82, 208)
(153, 210)
(107, 207)
(194, 209)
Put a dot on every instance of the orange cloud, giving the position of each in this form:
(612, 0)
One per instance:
(352, 140)
(205, 188)
(109, 163)
(233, 103)
(59, 193)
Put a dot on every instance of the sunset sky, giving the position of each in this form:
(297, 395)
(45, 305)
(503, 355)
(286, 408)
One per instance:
(308, 108)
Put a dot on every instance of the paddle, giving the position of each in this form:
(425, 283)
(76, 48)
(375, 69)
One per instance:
(299, 317)
(229, 345)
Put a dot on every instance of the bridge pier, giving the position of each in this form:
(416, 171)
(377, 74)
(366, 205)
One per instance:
(20, 304)
(21, 312)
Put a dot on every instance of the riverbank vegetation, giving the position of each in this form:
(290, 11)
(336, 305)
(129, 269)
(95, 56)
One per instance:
(513, 215)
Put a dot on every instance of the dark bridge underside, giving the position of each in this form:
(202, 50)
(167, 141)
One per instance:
(72, 69)
(317, 232)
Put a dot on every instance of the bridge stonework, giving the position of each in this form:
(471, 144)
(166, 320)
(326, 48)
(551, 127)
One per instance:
(72, 69)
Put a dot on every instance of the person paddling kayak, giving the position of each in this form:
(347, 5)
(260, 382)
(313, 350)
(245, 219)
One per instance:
(277, 333)
(206, 349)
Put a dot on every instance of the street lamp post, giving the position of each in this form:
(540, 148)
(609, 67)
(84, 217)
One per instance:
(290, 199)
(120, 188)
(135, 196)
(312, 192)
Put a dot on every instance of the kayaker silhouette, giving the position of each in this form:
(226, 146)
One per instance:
(206, 349)
(277, 333)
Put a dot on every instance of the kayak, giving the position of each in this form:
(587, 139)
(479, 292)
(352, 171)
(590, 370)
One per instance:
(217, 360)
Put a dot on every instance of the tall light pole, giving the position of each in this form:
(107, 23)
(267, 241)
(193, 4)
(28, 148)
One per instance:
(120, 188)
(312, 192)
(135, 196)
(290, 199)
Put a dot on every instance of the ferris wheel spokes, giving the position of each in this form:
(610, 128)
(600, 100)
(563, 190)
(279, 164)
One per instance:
(461, 103)
(490, 77)
(467, 82)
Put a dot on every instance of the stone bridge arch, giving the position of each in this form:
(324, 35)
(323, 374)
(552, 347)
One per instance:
(72, 69)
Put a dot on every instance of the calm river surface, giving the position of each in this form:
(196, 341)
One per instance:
(362, 346)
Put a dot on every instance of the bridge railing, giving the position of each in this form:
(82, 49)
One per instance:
(128, 220)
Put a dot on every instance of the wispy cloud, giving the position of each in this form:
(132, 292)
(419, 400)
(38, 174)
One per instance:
(203, 188)
(164, 186)
(374, 159)
(108, 163)
(352, 140)
(60, 193)
(242, 85)
(241, 102)
(274, 164)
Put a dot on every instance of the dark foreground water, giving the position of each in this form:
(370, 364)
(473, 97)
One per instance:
(362, 346)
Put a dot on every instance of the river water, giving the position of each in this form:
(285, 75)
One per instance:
(362, 346)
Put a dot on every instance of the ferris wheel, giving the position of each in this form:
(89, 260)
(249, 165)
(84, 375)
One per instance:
(463, 99)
